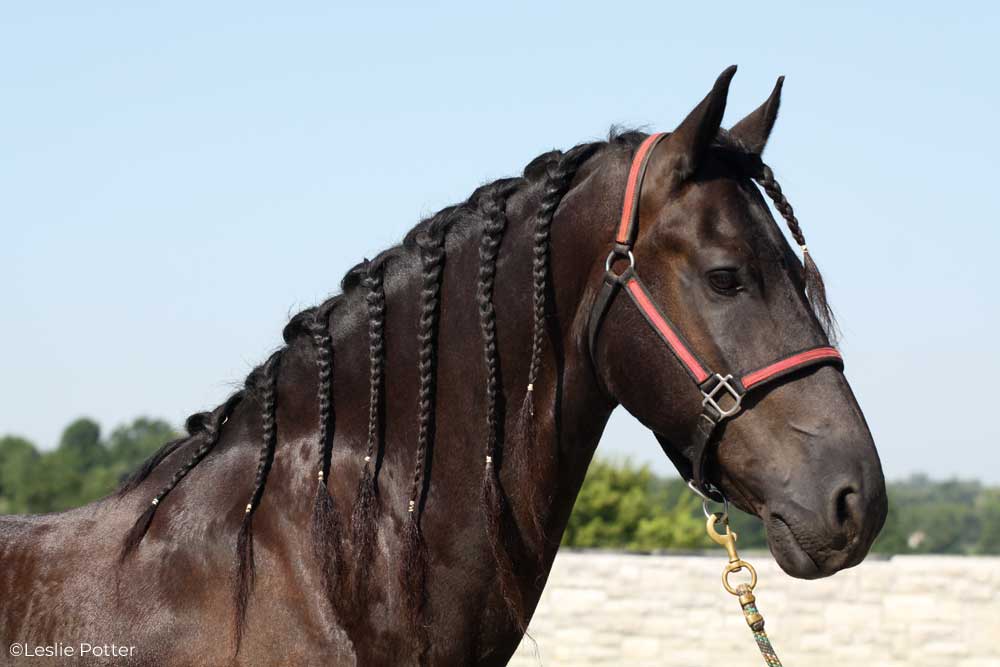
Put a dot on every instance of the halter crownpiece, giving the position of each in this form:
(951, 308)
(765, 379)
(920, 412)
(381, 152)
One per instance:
(722, 394)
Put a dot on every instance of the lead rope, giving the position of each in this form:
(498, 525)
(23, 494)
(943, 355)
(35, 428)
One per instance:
(744, 592)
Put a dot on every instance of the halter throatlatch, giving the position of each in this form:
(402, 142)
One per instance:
(722, 393)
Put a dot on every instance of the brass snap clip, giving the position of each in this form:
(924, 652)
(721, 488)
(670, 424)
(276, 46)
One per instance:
(727, 540)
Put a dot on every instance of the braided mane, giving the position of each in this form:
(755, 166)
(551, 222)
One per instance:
(553, 174)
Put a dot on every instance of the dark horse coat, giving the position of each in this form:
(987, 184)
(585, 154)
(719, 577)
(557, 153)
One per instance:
(391, 486)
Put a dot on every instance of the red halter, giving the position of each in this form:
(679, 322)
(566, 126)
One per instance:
(715, 388)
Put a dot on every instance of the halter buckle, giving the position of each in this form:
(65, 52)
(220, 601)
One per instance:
(712, 396)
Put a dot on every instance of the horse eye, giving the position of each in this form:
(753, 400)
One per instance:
(724, 281)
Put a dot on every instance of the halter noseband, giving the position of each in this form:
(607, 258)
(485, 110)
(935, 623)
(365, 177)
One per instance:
(722, 395)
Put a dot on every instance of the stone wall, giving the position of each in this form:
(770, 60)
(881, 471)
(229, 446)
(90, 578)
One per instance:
(908, 611)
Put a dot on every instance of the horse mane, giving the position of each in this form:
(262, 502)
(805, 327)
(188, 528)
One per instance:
(552, 173)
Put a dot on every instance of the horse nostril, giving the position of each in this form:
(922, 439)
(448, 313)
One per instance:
(844, 510)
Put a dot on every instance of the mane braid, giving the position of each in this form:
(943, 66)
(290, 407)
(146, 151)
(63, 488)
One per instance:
(367, 507)
(326, 528)
(147, 466)
(245, 571)
(559, 174)
(413, 573)
(319, 329)
(559, 177)
(493, 499)
(208, 427)
(376, 354)
(195, 425)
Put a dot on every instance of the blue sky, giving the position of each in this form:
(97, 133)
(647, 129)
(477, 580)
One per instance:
(174, 181)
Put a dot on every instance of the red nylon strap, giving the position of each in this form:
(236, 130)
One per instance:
(788, 364)
(667, 332)
(696, 368)
(630, 209)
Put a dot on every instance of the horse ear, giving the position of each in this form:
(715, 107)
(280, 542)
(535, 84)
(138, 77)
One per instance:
(692, 137)
(754, 130)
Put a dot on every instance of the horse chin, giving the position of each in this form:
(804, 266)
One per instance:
(786, 548)
(789, 553)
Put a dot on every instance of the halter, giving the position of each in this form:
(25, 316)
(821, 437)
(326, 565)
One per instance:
(722, 395)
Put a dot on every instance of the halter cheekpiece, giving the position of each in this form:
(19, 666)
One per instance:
(722, 394)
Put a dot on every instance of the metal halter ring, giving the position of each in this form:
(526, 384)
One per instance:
(617, 253)
(737, 566)
(708, 512)
(705, 499)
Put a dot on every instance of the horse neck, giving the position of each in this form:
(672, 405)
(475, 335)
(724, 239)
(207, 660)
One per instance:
(543, 456)
(571, 408)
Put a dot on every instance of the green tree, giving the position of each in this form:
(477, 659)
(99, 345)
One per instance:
(81, 469)
(17, 457)
(893, 538)
(81, 445)
(949, 517)
(131, 444)
(988, 513)
(624, 507)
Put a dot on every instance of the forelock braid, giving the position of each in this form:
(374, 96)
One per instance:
(493, 209)
(815, 287)
(267, 377)
(773, 191)
(559, 174)
(207, 426)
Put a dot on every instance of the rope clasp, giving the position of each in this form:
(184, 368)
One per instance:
(727, 540)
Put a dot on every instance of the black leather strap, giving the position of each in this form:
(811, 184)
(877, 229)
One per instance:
(602, 304)
(701, 441)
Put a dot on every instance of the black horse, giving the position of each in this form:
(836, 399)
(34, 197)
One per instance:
(416, 494)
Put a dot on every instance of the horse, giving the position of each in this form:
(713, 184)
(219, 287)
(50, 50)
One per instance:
(390, 486)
